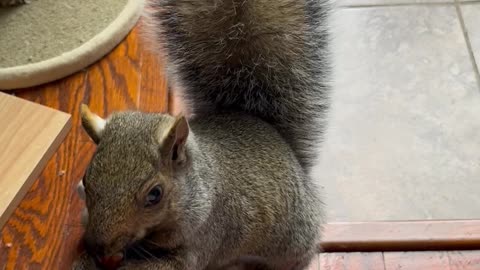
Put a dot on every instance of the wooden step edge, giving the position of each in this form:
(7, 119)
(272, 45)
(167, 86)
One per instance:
(401, 236)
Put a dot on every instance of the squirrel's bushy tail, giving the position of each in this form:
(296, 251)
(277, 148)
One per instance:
(267, 58)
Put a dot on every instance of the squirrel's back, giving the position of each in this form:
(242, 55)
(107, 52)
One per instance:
(265, 58)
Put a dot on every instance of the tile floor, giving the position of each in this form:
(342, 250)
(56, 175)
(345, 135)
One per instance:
(404, 136)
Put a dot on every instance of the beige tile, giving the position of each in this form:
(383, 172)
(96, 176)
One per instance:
(471, 16)
(403, 141)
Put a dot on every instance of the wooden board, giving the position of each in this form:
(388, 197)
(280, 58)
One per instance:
(44, 231)
(29, 135)
(402, 235)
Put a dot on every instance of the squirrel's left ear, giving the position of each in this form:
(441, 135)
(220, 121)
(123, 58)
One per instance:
(92, 123)
(173, 145)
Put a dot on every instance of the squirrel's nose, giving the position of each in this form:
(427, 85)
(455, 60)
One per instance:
(94, 247)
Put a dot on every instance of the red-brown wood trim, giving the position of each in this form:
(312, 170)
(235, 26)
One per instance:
(401, 236)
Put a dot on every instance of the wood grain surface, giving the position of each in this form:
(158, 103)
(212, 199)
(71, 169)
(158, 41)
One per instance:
(44, 231)
(30, 135)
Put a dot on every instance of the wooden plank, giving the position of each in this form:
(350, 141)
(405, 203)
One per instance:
(113, 83)
(430, 260)
(29, 136)
(44, 231)
(402, 236)
(353, 261)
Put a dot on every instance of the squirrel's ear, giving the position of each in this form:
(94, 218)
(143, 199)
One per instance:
(92, 123)
(173, 145)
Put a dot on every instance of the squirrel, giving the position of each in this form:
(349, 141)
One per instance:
(231, 180)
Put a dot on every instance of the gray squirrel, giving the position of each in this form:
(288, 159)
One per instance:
(232, 180)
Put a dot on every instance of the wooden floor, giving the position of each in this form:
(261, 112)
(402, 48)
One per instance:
(44, 230)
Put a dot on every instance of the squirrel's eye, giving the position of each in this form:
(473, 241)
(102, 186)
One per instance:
(154, 196)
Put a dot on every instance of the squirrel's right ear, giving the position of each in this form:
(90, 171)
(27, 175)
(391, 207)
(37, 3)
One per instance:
(92, 123)
(173, 142)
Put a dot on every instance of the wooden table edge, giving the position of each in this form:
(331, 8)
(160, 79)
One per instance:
(418, 235)
(40, 166)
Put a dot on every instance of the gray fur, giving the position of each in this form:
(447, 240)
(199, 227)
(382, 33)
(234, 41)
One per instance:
(262, 57)
(243, 190)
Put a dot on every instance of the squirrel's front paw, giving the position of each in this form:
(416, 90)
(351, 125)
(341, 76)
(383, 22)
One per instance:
(85, 262)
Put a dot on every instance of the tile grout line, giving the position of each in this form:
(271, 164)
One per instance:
(467, 41)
